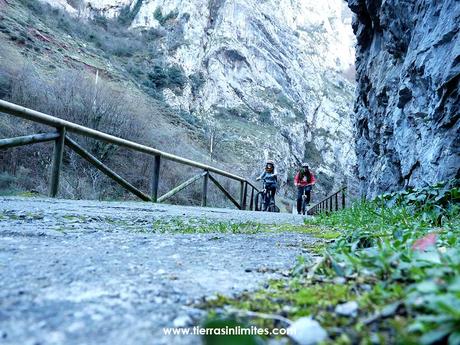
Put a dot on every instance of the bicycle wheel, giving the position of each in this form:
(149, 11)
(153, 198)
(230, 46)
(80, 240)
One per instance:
(272, 205)
(259, 201)
(304, 206)
(273, 208)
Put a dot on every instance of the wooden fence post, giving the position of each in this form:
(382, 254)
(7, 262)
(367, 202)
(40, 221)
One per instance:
(251, 204)
(242, 195)
(156, 177)
(343, 198)
(204, 195)
(58, 153)
(245, 195)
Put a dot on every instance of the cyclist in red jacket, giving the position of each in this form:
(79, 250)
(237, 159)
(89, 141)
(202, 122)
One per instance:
(304, 181)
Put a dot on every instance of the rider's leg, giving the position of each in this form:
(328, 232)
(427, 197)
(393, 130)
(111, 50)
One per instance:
(272, 194)
(299, 199)
(266, 199)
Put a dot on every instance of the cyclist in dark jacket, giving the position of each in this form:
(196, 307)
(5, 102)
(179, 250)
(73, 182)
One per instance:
(270, 178)
(304, 181)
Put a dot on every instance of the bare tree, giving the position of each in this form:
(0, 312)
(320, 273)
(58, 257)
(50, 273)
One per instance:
(75, 96)
(214, 137)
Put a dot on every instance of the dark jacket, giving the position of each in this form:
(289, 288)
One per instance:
(270, 179)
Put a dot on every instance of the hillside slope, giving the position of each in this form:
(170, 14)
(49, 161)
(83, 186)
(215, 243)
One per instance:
(271, 76)
(262, 80)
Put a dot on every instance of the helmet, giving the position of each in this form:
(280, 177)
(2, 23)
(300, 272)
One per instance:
(269, 165)
(304, 165)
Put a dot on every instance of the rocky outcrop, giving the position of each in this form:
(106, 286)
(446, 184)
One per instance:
(408, 104)
(275, 77)
(275, 63)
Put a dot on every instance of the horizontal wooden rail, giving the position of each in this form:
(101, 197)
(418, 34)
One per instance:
(32, 115)
(28, 139)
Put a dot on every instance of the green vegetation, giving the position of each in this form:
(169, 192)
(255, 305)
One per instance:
(132, 72)
(197, 81)
(201, 225)
(312, 154)
(127, 15)
(265, 116)
(6, 180)
(133, 50)
(158, 15)
(397, 256)
(171, 77)
(104, 34)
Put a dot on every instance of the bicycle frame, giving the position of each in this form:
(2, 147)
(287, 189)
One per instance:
(304, 197)
(263, 198)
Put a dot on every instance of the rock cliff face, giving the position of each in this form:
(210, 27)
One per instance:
(274, 77)
(272, 62)
(408, 104)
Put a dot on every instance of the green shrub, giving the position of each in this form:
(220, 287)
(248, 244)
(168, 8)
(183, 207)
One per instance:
(265, 116)
(176, 77)
(5, 84)
(169, 77)
(127, 16)
(158, 15)
(158, 76)
(34, 6)
(101, 21)
(151, 34)
(197, 81)
(410, 241)
(6, 180)
(189, 118)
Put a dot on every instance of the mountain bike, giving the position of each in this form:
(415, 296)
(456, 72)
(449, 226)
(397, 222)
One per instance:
(260, 201)
(304, 199)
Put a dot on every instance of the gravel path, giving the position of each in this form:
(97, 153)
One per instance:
(74, 272)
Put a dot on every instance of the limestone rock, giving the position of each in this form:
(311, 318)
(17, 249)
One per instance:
(408, 103)
(285, 69)
(347, 309)
(306, 331)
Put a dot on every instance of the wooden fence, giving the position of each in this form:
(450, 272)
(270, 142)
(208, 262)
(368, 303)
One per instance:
(60, 137)
(330, 204)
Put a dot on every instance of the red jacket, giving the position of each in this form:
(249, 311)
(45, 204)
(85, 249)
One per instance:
(304, 182)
